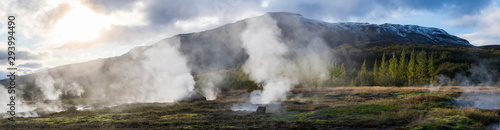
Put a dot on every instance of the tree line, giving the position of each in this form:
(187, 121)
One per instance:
(383, 64)
(418, 69)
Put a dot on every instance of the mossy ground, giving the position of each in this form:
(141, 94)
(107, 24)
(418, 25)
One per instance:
(341, 108)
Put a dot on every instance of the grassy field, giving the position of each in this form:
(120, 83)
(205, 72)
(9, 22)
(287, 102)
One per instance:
(338, 107)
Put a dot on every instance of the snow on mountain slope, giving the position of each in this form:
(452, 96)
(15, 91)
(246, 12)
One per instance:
(347, 32)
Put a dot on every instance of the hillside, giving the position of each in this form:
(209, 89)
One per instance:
(221, 49)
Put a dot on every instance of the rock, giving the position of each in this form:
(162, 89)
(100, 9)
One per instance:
(195, 96)
(261, 110)
(299, 103)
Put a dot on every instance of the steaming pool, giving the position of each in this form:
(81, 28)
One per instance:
(486, 100)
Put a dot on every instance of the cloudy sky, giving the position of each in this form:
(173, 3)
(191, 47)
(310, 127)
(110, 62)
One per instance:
(51, 33)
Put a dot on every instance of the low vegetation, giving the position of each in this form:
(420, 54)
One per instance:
(338, 107)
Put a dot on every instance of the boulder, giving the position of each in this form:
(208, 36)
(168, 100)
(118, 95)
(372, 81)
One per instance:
(195, 96)
(261, 110)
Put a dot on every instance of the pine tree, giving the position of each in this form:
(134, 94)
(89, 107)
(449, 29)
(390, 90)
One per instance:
(352, 76)
(432, 68)
(411, 68)
(383, 72)
(383, 67)
(375, 68)
(363, 75)
(498, 81)
(393, 65)
(402, 65)
(421, 66)
(335, 75)
(343, 74)
(375, 74)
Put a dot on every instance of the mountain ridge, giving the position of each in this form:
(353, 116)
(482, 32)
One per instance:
(220, 48)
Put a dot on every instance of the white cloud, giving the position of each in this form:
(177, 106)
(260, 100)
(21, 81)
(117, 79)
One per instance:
(481, 38)
(487, 31)
(264, 4)
(464, 21)
(133, 17)
(197, 23)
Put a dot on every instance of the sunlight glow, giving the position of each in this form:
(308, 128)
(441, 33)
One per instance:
(264, 4)
(80, 24)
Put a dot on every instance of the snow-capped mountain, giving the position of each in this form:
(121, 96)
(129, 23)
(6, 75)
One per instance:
(221, 48)
(347, 32)
(223, 44)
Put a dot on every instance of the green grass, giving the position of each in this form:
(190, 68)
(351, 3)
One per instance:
(409, 110)
(378, 109)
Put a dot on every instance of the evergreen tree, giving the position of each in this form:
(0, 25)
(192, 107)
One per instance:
(343, 74)
(363, 66)
(335, 75)
(498, 81)
(432, 68)
(352, 76)
(393, 65)
(411, 68)
(402, 65)
(363, 74)
(375, 74)
(421, 66)
(383, 67)
(383, 73)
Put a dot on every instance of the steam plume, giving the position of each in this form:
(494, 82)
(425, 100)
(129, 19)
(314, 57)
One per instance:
(156, 73)
(277, 65)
